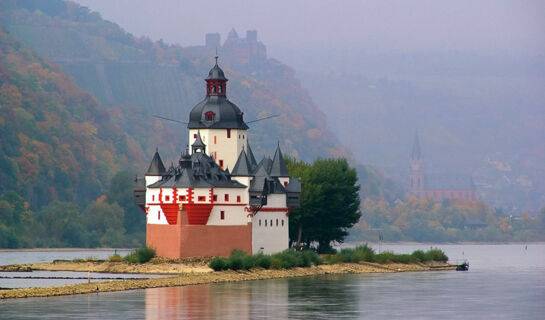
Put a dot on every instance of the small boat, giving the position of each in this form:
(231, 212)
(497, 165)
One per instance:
(463, 267)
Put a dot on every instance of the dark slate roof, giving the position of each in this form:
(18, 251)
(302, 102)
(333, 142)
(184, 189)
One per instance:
(156, 167)
(243, 166)
(203, 172)
(258, 185)
(294, 185)
(216, 73)
(416, 147)
(226, 114)
(278, 166)
(448, 182)
(251, 157)
(198, 142)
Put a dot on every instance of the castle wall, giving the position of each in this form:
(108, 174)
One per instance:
(184, 241)
(270, 232)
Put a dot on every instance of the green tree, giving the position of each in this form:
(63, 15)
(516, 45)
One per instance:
(329, 202)
(121, 192)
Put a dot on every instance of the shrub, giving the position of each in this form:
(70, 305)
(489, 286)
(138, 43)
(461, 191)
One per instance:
(419, 255)
(115, 258)
(78, 260)
(384, 257)
(235, 262)
(218, 264)
(276, 263)
(263, 261)
(435, 254)
(140, 255)
(248, 262)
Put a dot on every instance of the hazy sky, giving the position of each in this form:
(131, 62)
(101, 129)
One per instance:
(410, 26)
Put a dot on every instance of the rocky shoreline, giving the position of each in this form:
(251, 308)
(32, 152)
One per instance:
(189, 275)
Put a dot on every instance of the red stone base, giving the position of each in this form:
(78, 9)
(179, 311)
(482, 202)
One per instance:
(184, 241)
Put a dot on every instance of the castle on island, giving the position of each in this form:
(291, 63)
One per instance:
(199, 207)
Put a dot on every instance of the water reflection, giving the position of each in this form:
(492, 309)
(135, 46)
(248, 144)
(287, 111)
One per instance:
(243, 300)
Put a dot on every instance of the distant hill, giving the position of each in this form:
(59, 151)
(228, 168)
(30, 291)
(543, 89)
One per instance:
(140, 78)
(57, 142)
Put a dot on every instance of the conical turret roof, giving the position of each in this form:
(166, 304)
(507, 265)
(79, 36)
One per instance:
(242, 167)
(198, 144)
(278, 167)
(156, 167)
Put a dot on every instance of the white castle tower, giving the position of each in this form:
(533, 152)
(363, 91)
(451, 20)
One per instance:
(218, 122)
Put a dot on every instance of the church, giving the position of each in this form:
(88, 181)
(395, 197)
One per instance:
(437, 187)
(198, 207)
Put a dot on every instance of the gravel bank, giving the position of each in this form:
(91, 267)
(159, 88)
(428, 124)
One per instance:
(198, 275)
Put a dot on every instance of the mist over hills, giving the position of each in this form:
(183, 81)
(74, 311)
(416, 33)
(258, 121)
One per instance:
(148, 78)
(476, 114)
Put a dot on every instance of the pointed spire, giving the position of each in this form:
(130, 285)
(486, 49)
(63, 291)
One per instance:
(416, 147)
(242, 167)
(198, 145)
(156, 167)
(278, 168)
(251, 158)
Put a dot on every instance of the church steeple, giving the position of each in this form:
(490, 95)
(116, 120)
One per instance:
(216, 82)
(416, 170)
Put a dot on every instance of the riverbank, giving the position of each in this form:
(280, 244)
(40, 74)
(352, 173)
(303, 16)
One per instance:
(187, 277)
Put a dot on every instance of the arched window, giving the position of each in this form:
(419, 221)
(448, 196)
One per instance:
(213, 89)
(220, 89)
(209, 116)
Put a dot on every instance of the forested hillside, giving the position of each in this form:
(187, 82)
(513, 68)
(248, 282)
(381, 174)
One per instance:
(145, 78)
(76, 98)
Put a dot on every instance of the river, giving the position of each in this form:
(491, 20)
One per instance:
(504, 282)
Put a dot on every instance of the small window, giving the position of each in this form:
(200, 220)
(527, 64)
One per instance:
(202, 198)
(215, 197)
(277, 222)
(260, 222)
(213, 89)
(222, 215)
(238, 198)
(243, 137)
(271, 223)
(158, 215)
(228, 133)
(194, 136)
(182, 198)
(285, 183)
(214, 139)
(265, 222)
(239, 136)
(153, 198)
(282, 222)
(221, 164)
(209, 116)
(167, 198)
(226, 197)
(215, 155)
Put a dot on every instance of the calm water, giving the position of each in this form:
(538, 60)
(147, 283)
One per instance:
(504, 282)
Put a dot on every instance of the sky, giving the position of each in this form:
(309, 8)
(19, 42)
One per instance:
(482, 26)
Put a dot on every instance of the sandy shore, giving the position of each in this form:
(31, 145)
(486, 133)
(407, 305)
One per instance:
(189, 275)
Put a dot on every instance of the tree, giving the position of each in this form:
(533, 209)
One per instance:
(121, 192)
(329, 202)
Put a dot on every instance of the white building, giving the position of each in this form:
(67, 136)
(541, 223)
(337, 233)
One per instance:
(199, 208)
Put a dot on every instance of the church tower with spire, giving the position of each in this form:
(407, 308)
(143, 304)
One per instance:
(218, 123)
(416, 170)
